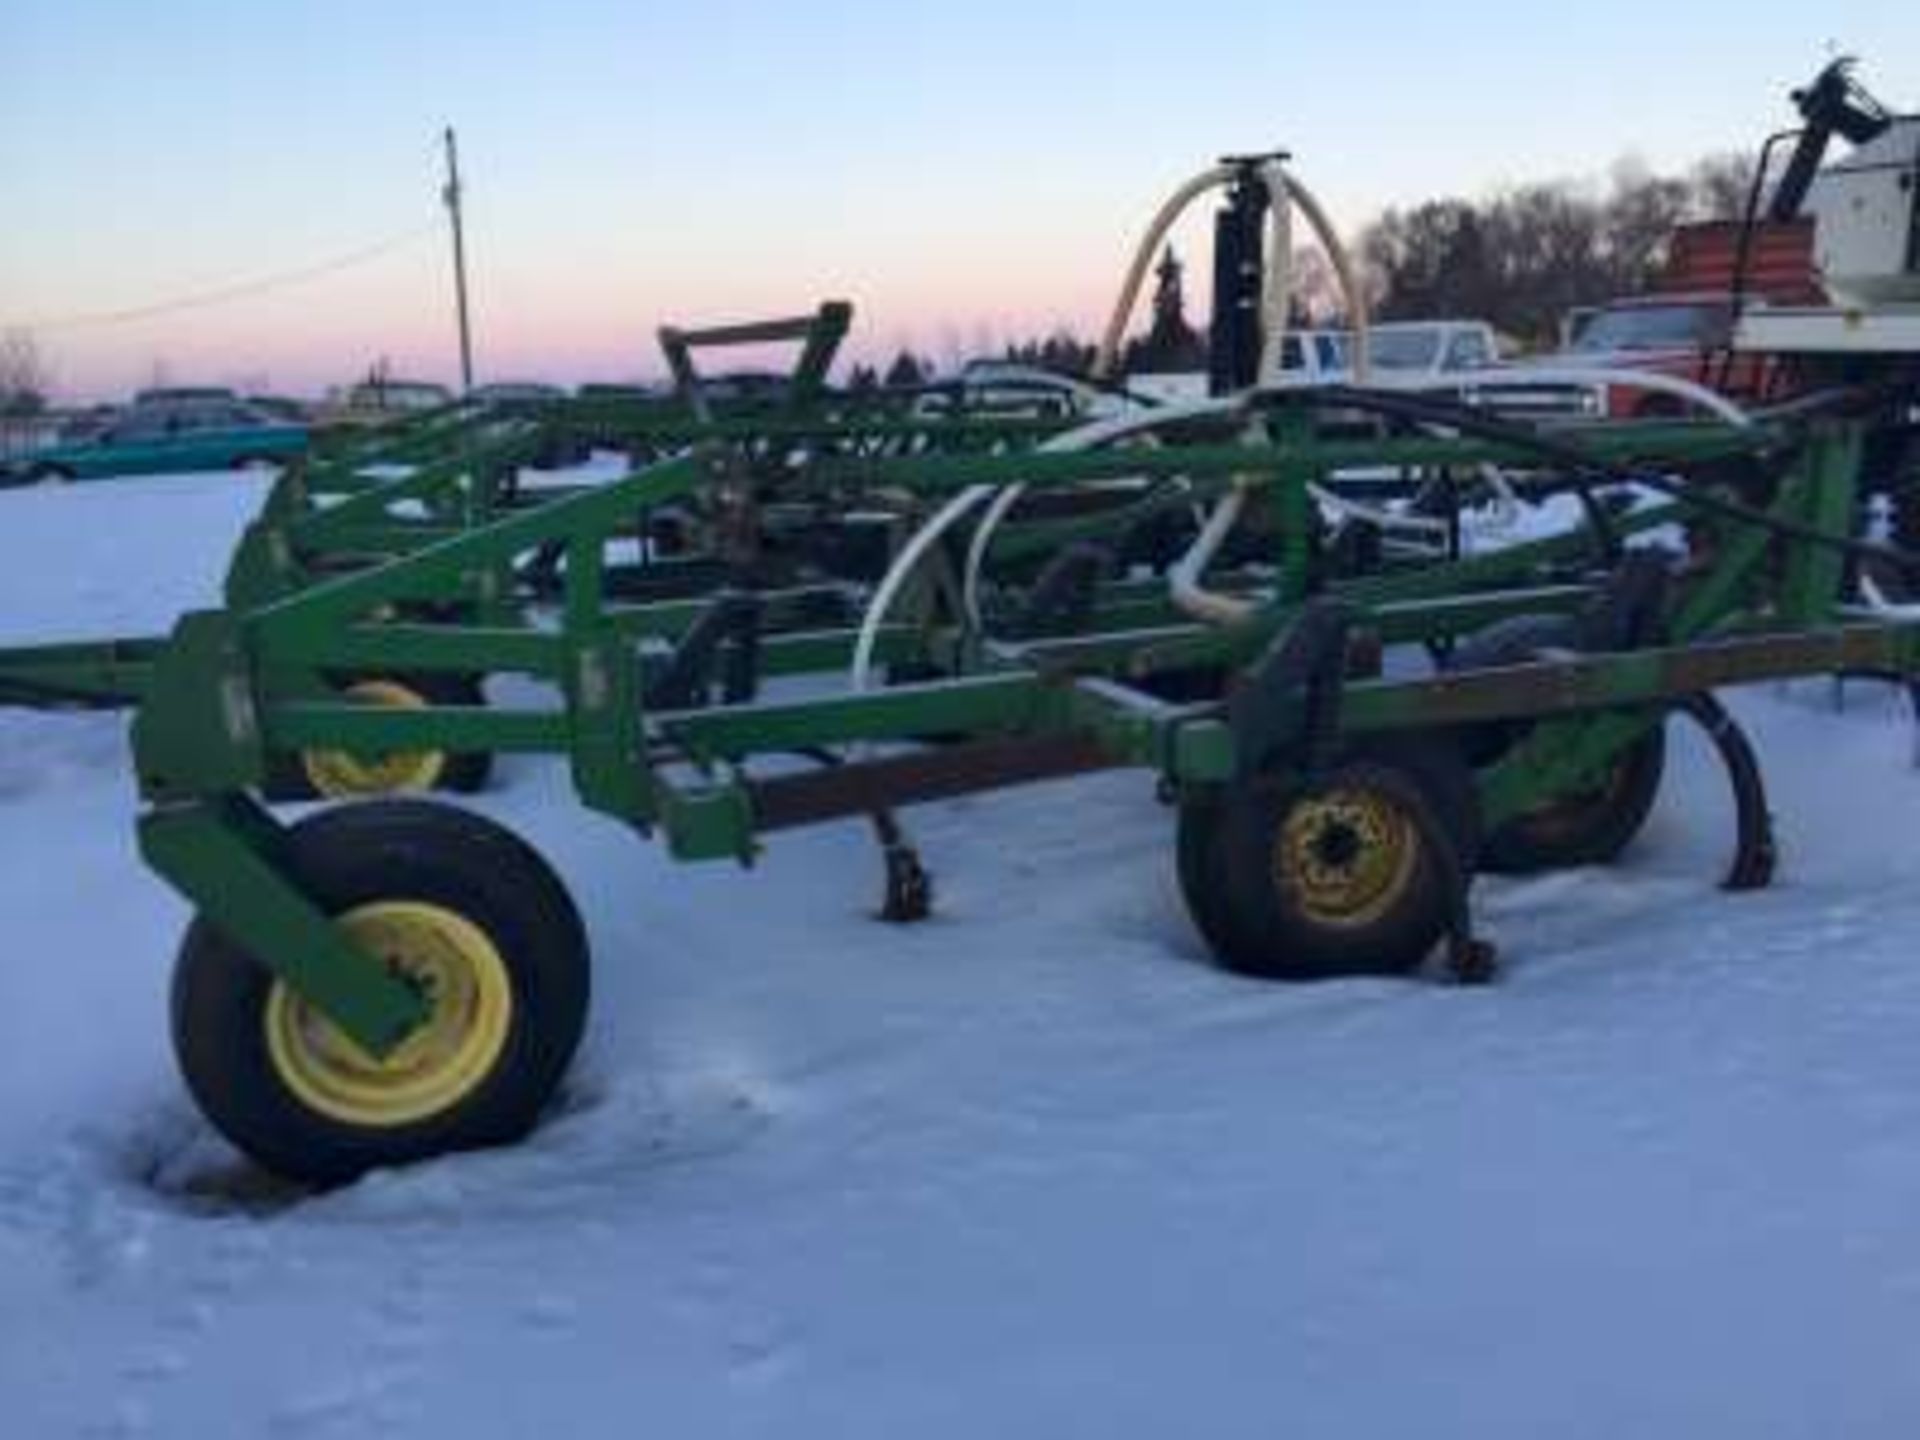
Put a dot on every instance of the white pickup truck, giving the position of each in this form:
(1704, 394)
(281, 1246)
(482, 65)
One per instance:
(1415, 353)
(1399, 351)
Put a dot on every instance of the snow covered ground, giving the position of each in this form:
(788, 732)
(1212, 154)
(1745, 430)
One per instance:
(1032, 1169)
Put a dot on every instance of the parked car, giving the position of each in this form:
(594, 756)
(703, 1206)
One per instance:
(393, 397)
(181, 394)
(376, 401)
(507, 391)
(616, 390)
(160, 438)
(281, 407)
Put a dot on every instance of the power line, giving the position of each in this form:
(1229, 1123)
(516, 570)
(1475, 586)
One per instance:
(239, 290)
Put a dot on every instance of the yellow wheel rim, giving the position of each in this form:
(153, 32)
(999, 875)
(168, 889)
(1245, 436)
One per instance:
(339, 775)
(435, 1068)
(1346, 856)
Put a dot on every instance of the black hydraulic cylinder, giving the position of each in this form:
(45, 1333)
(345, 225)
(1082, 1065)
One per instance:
(1239, 273)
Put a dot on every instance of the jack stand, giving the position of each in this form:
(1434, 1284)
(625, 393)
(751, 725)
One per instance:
(909, 893)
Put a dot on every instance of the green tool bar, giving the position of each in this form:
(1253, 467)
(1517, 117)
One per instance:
(808, 652)
(1107, 651)
(1591, 682)
(385, 729)
(1446, 618)
(1654, 446)
(1142, 651)
(427, 483)
(389, 649)
(669, 619)
(369, 498)
(384, 538)
(975, 705)
(439, 567)
(1572, 683)
(86, 673)
(680, 431)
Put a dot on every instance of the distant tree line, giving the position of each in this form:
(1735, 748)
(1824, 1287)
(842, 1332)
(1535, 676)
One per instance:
(1522, 258)
(1519, 258)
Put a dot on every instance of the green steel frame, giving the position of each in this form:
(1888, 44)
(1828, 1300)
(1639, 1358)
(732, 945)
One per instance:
(347, 510)
(233, 686)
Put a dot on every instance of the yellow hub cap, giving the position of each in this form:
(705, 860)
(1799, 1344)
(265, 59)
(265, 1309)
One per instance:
(460, 970)
(1346, 856)
(338, 775)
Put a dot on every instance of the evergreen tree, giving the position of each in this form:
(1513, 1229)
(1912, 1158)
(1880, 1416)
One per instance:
(1170, 344)
(906, 370)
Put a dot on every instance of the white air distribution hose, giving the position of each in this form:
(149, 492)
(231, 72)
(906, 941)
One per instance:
(1284, 192)
(1183, 578)
(1083, 437)
(1107, 358)
(1276, 291)
(903, 566)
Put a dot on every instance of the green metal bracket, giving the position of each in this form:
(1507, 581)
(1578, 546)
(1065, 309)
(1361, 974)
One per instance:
(197, 731)
(226, 855)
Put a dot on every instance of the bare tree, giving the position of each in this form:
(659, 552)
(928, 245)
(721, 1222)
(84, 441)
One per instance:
(1521, 258)
(1720, 184)
(1316, 298)
(24, 376)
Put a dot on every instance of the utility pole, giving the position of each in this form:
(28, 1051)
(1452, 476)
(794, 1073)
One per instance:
(451, 195)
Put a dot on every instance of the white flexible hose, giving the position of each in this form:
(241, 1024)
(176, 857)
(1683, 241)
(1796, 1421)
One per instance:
(977, 551)
(1183, 576)
(1355, 298)
(1183, 579)
(1339, 506)
(1506, 502)
(1082, 437)
(1880, 604)
(1276, 293)
(1107, 358)
(903, 566)
(1284, 192)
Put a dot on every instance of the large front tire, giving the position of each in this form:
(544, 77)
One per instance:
(457, 904)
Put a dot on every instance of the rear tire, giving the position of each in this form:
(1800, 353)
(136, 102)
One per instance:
(1295, 879)
(466, 906)
(1591, 827)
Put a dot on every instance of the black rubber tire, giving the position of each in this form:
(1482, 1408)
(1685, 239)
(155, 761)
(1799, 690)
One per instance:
(1197, 867)
(465, 773)
(1256, 926)
(49, 475)
(1583, 830)
(375, 850)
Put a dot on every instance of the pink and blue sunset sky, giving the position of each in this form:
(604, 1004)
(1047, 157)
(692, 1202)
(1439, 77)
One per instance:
(963, 172)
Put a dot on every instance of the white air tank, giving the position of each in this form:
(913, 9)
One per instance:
(1866, 209)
